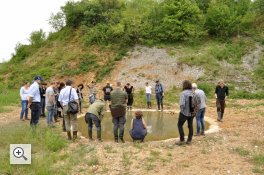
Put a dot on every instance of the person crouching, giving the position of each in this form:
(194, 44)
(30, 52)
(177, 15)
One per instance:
(138, 127)
(95, 115)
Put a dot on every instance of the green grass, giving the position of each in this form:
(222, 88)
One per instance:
(46, 144)
(8, 97)
(242, 151)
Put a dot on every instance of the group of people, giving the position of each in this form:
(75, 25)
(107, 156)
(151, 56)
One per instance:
(57, 97)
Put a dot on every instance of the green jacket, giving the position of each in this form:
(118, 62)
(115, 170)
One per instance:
(97, 109)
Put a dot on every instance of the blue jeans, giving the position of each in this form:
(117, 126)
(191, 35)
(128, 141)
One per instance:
(148, 97)
(51, 112)
(24, 104)
(200, 120)
(159, 99)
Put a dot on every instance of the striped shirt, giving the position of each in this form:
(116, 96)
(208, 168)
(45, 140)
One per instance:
(65, 93)
(33, 92)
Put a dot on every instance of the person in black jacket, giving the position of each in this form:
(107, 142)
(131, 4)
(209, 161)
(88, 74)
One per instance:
(221, 94)
(42, 91)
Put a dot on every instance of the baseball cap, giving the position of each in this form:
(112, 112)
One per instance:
(38, 78)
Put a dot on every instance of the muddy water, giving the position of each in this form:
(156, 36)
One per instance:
(160, 126)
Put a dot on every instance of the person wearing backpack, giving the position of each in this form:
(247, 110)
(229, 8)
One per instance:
(189, 105)
(107, 93)
(159, 90)
(66, 97)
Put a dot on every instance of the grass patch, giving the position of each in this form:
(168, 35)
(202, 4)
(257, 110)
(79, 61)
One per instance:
(46, 145)
(94, 160)
(126, 159)
(8, 97)
(242, 151)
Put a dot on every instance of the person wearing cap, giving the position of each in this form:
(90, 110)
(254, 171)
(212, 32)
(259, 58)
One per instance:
(95, 115)
(129, 90)
(42, 91)
(118, 111)
(24, 101)
(159, 90)
(34, 100)
(138, 127)
(221, 94)
(107, 93)
(66, 95)
(200, 114)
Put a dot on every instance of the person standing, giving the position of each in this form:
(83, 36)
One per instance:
(189, 105)
(130, 91)
(200, 114)
(80, 95)
(24, 101)
(107, 93)
(95, 115)
(148, 95)
(59, 107)
(92, 92)
(66, 95)
(42, 91)
(50, 102)
(221, 94)
(34, 100)
(159, 90)
(118, 111)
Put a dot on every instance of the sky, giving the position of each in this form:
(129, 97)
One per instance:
(18, 18)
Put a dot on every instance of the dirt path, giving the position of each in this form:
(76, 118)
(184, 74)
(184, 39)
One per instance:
(217, 153)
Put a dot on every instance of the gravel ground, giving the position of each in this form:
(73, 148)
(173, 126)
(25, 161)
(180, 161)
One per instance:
(149, 64)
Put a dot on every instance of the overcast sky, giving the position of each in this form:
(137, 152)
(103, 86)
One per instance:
(19, 18)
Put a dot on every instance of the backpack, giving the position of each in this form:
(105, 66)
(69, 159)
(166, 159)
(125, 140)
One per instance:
(72, 106)
(194, 103)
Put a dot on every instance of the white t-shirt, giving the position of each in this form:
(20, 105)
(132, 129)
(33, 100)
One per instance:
(148, 89)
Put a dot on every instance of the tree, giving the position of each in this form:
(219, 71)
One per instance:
(37, 38)
(57, 21)
(259, 6)
(182, 20)
(221, 20)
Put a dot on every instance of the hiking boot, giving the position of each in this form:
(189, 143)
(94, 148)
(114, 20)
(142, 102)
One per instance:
(180, 143)
(69, 135)
(218, 116)
(116, 140)
(90, 135)
(99, 136)
(202, 133)
(198, 134)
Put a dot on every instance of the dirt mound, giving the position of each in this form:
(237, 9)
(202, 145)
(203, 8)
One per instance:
(149, 64)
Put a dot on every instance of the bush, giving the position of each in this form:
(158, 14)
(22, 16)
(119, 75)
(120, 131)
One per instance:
(37, 38)
(221, 20)
(207, 88)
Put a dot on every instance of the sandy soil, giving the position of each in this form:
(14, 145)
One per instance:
(213, 154)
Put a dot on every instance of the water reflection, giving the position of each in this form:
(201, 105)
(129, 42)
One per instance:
(160, 126)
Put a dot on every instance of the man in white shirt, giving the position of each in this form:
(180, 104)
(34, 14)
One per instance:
(148, 94)
(50, 102)
(66, 95)
(34, 100)
(24, 101)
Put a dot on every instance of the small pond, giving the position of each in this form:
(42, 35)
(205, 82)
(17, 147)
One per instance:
(160, 126)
